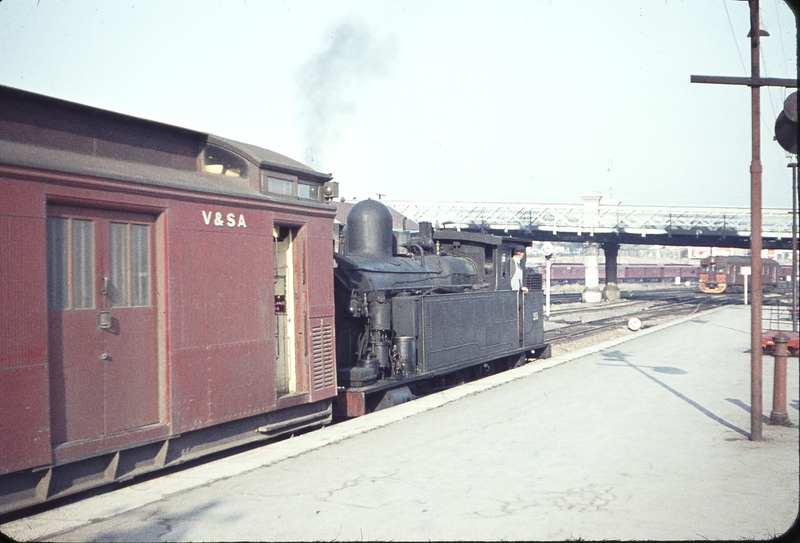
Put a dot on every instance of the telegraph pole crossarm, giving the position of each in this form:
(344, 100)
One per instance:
(747, 81)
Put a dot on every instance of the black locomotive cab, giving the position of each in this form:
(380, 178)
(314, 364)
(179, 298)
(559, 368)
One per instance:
(416, 305)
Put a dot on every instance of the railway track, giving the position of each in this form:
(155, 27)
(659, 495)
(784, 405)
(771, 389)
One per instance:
(583, 324)
(558, 298)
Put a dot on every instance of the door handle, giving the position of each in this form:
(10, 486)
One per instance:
(104, 321)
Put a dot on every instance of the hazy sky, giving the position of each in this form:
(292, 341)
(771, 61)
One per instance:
(496, 100)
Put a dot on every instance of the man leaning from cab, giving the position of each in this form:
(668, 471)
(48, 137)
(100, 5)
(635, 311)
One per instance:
(517, 271)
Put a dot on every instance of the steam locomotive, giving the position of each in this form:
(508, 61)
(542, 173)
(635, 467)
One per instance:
(415, 306)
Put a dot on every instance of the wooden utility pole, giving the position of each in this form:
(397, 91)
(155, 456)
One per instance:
(755, 82)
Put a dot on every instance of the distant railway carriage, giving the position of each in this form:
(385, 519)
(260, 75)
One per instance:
(566, 272)
(570, 272)
(165, 293)
(640, 272)
(724, 273)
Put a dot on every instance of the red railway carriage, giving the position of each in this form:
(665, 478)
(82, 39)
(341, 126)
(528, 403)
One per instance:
(641, 272)
(573, 272)
(165, 293)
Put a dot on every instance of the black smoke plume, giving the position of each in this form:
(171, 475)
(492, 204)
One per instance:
(331, 83)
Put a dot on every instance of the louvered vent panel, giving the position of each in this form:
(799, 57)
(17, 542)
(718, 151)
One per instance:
(533, 280)
(322, 355)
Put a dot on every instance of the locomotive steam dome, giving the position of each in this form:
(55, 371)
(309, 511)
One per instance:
(369, 230)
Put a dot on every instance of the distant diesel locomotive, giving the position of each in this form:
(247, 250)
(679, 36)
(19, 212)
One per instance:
(724, 273)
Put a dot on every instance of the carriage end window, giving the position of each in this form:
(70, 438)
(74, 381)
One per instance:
(308, 191)
(289, 187)
(276, 185)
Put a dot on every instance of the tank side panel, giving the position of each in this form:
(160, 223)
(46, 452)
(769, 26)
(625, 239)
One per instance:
(470, 327)
(534, 319)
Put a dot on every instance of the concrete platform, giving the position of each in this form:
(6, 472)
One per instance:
(644, 437)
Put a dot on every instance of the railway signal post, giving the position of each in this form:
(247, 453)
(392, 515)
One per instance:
(547, 250)
(755, 82)
(746, 274)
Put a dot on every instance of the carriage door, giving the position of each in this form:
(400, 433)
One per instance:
(289, 337)
(102, 321)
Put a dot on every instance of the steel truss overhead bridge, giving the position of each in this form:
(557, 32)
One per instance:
(592, 221)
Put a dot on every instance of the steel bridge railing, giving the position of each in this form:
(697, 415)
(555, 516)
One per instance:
(776, 222)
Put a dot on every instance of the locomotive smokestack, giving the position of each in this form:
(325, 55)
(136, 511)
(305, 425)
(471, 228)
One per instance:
(369, 230)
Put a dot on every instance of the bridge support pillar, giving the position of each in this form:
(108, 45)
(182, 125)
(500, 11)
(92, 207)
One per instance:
(591, 292)
(611, 291)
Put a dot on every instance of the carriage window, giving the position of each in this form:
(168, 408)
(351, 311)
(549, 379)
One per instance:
(129, 265)
(307, 191)
(70, 263)
(219, 161)
(140, 274)
(276, 185)
(118, 292)
(82, 264)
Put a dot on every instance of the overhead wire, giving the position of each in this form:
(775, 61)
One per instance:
(780, 33)
(768, 125)
(766, 71)
(733, 34)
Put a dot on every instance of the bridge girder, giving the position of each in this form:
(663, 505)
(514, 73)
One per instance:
(628, 225)
(673, 240)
